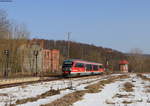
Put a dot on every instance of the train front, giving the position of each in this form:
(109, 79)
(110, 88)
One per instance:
(67, 67)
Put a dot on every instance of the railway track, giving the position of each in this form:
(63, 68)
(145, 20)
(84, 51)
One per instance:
(13, 83)
(41, 79)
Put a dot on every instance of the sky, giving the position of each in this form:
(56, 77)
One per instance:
(118, 24)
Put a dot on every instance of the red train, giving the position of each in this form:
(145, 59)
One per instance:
(75, 67)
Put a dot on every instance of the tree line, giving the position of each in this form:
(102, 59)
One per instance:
(85, 52)
(12, 35)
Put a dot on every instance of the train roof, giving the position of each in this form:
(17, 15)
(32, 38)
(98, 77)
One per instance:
(83, 61)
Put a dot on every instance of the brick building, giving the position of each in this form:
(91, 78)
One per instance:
(47, 59)
(50, 60)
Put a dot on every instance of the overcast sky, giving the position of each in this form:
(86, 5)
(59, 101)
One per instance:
(117, 24)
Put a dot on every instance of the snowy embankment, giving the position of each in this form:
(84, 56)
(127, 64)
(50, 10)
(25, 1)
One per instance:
(147, 75)
(114, 94)
(111, 94)
(11, 95)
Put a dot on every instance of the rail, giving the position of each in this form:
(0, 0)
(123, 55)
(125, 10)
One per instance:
(18, 80)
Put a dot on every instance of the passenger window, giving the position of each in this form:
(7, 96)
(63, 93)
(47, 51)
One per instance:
(88, 67)
(100, 66)
(95, 67)
(80, 65)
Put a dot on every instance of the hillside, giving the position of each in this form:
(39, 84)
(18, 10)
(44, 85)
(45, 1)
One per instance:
(84, 51)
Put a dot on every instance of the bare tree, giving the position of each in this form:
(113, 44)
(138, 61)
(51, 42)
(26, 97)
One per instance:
(136, 60)
(12, 36)
(20, 31)
(4, 25)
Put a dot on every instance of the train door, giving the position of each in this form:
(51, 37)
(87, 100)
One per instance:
(95, 68)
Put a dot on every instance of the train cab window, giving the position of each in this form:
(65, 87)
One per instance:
(95, 67)
(81, 65)
(67, 64)
(88, 67)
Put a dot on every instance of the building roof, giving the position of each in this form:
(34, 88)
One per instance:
(123, 62)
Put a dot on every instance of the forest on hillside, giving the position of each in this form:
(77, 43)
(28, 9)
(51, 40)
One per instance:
(86, 52)
(138, 62)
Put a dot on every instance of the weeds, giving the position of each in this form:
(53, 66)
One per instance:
(48, 93)
(147, 91)
(128, 87)
(143, 77)
(23, 86)
(3, 94)
(122, 95)
(67, 99)
(127, 102)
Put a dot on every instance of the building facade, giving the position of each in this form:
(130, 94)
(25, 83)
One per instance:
(50, 60)
(123, 65)
(45, 60)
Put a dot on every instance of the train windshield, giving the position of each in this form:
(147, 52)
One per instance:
(67, 64)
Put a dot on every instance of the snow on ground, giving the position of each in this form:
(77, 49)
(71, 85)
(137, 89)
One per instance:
(11, 95)
(108, 96)
(147, 75)
(98, 99)
(47, 99)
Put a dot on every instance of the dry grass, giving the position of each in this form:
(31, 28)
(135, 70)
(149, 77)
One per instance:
(147, 86)
(128, 87)
(127, 102)
(94, 88)
(23, 86)
(67, 100)
(3, 94)
(147, 89)
(143, 77)
(48, 93)
(71, 98)
(122, 95)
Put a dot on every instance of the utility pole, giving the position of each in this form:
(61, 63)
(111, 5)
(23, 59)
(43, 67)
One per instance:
(69, 34)
(54, 44)
(108, 58)
(6, 52)
(35, 52)
(52, 61)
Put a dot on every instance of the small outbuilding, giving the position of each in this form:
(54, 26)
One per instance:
(123, 65)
